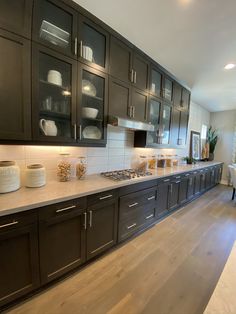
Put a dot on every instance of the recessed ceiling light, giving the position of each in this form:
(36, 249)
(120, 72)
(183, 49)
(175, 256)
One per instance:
(230, 66)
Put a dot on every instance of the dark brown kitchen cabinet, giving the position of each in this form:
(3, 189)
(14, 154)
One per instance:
(101, 226)
(197, 183)
(53, 96)
(202, 180)
(19, 268)
(119, 98)
(191, 186)
(183, 189)
(165, 124)
(167, 89)
(174, 191)
(175, 125)
(61, 238)
(156, 81)
(181, 97)
(140, 71)
(15, 16)
(120, 65)
(139, 102)
(183, 128)
(162, 206)
(15, 90)
(93, 44)
(55, 25)
(185, 100)
(92, 95)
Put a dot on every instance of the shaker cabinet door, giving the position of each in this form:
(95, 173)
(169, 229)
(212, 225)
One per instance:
(54, 96)
(141, 71)
(15, 16)
(140, 105)
(15, 90)
(120, 60)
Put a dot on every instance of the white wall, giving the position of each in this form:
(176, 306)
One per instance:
(224, 122)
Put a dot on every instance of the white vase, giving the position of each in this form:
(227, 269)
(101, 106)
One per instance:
(9, 176)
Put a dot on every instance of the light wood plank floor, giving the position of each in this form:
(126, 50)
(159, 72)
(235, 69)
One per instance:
(170, 269)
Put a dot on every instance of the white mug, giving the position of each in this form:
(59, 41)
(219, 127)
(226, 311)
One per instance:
(48, 127)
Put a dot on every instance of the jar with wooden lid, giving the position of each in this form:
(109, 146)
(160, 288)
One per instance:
(9, 176)
(169, 161)
(143, 164)
(175, 161)
(81, 168)
(161, 161)
(35, 176)
(64, 168)
(152, 162)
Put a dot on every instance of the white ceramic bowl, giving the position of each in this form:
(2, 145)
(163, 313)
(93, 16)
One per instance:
(90, 113)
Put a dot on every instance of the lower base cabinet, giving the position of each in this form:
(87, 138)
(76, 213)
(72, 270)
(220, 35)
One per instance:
(102, 227)
(19, 268)
(41, 245)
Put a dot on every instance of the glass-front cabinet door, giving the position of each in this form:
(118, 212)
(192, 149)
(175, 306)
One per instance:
(54, 96)
(154, 118)
(92, 105)
(165, 124)
(55, 25)
(156, 82)
(93, 44)
(167, 89)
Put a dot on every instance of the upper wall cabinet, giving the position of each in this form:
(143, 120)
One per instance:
(181, 98)
(54, 96)
(156, 77)
(167, 91)
(15, 90)
(15, 16)
(93, 44)
(55, 25)
(128, 65)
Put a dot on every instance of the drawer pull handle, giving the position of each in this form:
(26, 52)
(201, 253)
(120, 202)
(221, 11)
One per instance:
(167, 180)
(150, 216)
(177, 177)
(132, 205)
(90, 218)
(177, 182)
(131, 226)
(65, 209)
(104, 197)
(187, 175)
(151, 198)
(9, 224)
(85, 221)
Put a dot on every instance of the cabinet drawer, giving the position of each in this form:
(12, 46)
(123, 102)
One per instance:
(103, 196)
(131, 202)
(165, 180)
(63, 208)
(137, 221)
(10, 222)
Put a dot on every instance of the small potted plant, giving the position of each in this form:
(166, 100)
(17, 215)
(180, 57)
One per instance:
(189, 160)
(212, 139)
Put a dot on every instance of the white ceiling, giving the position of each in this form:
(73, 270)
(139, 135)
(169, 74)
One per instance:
(193, 39)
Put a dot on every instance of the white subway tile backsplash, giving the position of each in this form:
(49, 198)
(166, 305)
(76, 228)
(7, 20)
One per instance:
(115, 144)
(97, 151)
(42, 152)
(12, 152)
(116, 152)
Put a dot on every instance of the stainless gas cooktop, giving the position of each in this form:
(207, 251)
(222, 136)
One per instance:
(126, 174)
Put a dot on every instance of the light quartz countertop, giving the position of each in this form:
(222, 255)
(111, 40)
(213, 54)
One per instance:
(54, 191)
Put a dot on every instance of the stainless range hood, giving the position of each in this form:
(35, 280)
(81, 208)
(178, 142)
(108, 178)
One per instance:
(130, 124)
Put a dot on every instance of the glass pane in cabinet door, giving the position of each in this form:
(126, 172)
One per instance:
(156, 83)
(93, 46)
(55, 25)
(166, 116)
(154, 118)
(54, 96)
(92, 112)
(168, 89)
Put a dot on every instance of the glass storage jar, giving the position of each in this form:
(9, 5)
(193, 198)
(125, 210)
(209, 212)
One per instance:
(9, 176)
(64, 168)
(175, 161)
(169, 161)
(161, 161)
(81, 168)
(35, 176)
(152, 162)
(143, 164)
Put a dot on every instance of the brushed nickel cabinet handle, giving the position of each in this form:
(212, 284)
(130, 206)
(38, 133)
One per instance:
(135, 77)
(81, 49)
(9, 224)
(105, 197)
(131, 226)
(166, 180)
(151, 198)
(85, 221)
(76, 46)
(90, 218)
(178, 182)
(132, 205)
(177, 177)
(132, 76)
(80, 132)
(150, 216)
(75, 131)
(130, 111)
(171, 188)
(133, 111)
(65, 209)
(187, 175)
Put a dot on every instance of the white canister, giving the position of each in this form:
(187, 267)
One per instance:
(9, 176)
(35, 176)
